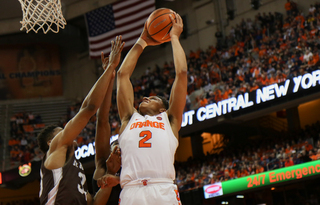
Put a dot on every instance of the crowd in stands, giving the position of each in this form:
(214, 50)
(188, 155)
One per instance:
(257, 52)
(251, 157)
(23, 146)
(268, 49)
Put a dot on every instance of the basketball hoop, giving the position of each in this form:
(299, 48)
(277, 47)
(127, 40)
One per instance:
(42, 14)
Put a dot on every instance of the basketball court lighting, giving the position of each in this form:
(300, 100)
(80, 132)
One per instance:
(240, 196)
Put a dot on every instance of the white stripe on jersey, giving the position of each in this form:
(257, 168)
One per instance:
(41, 183)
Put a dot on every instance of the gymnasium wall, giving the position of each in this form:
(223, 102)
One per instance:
(184, 150)
(309, 112)
(29, 191)
(79, 75)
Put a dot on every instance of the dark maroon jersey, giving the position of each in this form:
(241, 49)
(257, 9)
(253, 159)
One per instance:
(65, 185)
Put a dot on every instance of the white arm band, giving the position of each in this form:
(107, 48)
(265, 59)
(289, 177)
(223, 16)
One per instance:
(142, 43)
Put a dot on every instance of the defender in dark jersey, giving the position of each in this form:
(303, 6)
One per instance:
(55, 189)
(104, 162)
(109, 168)
(62, 176)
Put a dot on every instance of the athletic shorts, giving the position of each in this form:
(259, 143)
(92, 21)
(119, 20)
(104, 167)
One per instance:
(149, 192)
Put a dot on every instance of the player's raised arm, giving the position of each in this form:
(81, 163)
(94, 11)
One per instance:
(125, 94)
(88, 108)
(177, 99)
(103, 131)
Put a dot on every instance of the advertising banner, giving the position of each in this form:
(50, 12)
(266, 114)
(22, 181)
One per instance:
(212, 190)
(272, 177)
(268, 96)
(29, 72)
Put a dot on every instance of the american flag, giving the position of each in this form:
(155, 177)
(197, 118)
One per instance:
(124, 18)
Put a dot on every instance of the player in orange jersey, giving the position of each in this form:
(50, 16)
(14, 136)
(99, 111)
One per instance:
(149, 136)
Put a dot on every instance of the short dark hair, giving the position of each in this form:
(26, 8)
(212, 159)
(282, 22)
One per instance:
(44, 136)
(164, 102)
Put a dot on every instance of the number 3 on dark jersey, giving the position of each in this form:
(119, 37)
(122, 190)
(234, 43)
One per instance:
(146, 136)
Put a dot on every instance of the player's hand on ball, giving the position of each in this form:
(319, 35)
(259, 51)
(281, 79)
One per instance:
(147, 38)
(177, 26)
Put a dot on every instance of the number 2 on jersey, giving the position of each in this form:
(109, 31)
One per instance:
(146, 136)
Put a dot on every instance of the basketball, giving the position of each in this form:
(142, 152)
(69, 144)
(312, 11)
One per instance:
(159, 24)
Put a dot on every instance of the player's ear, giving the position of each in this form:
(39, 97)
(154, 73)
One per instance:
(49, 142)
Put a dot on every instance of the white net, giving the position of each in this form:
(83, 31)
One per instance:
(42, 14)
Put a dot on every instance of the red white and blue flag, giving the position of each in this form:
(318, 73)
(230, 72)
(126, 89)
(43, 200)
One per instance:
(124, 18)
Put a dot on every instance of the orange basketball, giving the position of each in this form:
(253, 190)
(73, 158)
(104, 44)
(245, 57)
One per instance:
(159, 24)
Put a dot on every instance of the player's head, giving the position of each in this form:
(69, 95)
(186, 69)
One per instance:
(46, 135)
(153, 105)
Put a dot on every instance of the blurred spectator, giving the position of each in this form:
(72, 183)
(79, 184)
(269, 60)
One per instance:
(203, 101)
(23, 142)
(219, 37)
(305, 156)
(288, 162)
